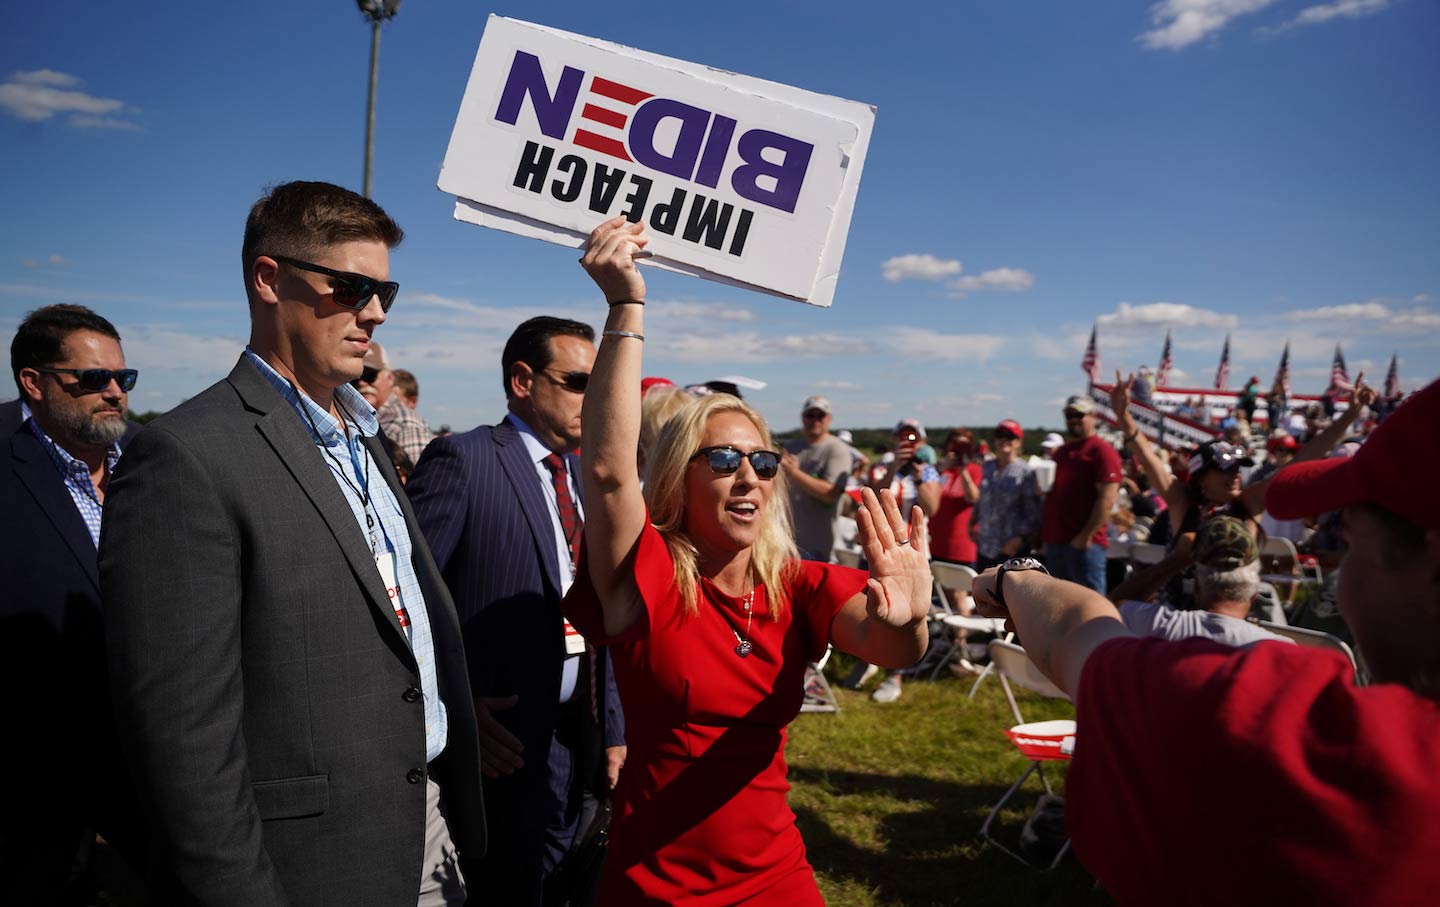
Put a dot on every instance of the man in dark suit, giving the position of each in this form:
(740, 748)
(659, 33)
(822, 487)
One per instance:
(286, 661)
(59, 443)
(500, 508)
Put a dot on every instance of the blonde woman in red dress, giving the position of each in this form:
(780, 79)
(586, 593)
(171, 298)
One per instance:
(711, 617)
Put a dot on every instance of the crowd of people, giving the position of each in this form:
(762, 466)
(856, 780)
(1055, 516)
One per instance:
(290, 646)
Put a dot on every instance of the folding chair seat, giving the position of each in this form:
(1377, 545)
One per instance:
(1039, 742)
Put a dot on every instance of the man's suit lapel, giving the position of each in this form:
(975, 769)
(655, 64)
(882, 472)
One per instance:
(37, 472)
(515, 460)
(295, 447)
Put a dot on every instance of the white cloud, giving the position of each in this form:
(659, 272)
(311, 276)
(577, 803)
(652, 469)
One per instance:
(1008, 279)
(698, 311)
(1387, 318)
(45, 77)
(919, 267)
(38, 95)
(1367, 310)
(166, 347)
(1422, 298)
(1165, 314)
(922, 343)
(829, 385)
(719, 348)
(1347, 9)
(1177, 24)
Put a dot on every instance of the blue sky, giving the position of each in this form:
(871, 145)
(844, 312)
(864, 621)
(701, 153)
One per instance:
(1259, 167)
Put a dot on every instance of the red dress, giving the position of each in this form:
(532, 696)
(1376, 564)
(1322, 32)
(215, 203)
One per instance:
(700, 811)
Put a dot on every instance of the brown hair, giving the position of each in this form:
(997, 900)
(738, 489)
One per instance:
(300, 219)
(406, 384)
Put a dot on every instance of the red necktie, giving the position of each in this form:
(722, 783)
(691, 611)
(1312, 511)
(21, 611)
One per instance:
(571, 525)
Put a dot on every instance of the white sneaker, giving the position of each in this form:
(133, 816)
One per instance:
(964, 667)
(888, 691)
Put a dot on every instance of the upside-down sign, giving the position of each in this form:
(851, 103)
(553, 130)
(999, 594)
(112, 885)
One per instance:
(739, 180)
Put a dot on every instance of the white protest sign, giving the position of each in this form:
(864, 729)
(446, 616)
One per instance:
(740, 180)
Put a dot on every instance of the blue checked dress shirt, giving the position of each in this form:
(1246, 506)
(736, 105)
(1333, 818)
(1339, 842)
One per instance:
(75, 474)
(342, 454)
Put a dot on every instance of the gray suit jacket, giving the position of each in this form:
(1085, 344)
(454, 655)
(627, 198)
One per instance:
(265, 691)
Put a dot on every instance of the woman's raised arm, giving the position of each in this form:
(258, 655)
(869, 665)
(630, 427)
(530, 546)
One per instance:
(610, 422)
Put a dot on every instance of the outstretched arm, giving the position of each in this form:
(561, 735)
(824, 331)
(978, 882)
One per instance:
(1361, 396)
(1160, 478)
(610, 423)
(1060, 622)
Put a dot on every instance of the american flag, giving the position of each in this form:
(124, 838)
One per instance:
(1090, 365)
(1167, 362)
(1222, 374)
(1339, 377)
(1392, 378)
(1282, 374)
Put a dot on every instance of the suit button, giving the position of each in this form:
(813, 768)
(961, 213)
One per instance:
(411, 695)
(414, 776)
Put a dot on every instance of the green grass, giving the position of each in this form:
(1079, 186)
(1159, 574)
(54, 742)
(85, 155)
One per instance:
(890, 798)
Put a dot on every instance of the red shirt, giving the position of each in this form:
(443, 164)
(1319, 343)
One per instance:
(1079, 467)
(1209, 775)
(950, 538)
(700, 812)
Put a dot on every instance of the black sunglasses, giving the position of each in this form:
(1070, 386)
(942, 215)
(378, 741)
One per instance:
(814, 414)
(725, 460)
(351, 291)
(572, 381)
(95, 380)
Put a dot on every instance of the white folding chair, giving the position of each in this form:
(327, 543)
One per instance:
(818, 695)
(960, 578)
(847, 558)
(1319, 639)
(1039, 742)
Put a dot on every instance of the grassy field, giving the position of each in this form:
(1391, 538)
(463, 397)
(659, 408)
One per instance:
(890, 798)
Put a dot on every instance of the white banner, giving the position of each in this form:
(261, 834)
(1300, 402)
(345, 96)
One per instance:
(740, 180)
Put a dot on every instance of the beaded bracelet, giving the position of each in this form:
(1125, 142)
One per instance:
(622, 334)
(627, 302)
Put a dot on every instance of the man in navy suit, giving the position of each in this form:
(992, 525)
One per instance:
(63, 775)
(499, 507)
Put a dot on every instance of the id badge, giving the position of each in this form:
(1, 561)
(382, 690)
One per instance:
(574, 642)
(385, 563)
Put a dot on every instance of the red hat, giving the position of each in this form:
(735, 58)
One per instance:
(652, 381)
(1012, 427)
(1376, 474)
(1282, 442)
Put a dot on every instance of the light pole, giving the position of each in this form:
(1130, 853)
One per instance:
(376, 11)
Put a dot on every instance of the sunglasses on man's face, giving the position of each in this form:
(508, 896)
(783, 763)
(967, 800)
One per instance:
(571, 381)
(95, 380)
(814, 414)
(350, 290)
(725, 460)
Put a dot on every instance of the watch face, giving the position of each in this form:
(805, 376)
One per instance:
(1023, 563)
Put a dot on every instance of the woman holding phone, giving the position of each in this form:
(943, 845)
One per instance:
(710, 617)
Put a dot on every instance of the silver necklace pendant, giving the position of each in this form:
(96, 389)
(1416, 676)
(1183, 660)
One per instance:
(743, 650)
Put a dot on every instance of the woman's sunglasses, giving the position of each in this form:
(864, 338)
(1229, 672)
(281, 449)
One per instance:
(351, 291)
(95, 380)
(725, 460)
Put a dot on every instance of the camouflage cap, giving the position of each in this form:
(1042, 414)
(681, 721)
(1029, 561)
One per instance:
(1224, 543)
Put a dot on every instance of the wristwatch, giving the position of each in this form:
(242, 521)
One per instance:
(1014, 564)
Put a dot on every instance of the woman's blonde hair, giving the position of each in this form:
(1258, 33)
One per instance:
(679, 441)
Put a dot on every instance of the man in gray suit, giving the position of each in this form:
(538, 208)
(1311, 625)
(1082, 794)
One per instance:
(285, 659)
